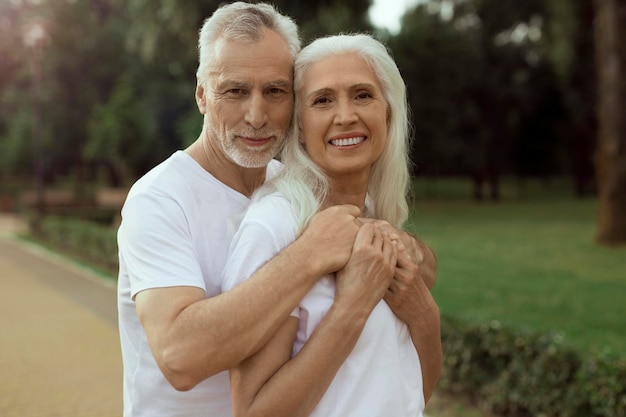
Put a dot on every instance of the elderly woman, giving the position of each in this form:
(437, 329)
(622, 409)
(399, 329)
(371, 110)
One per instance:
(349, 146)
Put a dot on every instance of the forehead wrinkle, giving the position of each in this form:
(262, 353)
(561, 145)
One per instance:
(225, 82)
(223, 79)
(362, 86)
(329, 90)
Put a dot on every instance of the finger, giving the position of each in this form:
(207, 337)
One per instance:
(392, 249)
(350, 209)
(393, 286)
(378, 239)
(364, 236)
(390, 298)
(399, 244)
(404, 260)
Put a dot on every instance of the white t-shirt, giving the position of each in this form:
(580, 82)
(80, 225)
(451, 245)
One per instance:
(382, 376)
(177, 223)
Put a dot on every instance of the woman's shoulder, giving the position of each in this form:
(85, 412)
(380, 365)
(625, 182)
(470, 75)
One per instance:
(272, 209)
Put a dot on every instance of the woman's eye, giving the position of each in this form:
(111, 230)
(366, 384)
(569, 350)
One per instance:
(364, 95)
(321, 100)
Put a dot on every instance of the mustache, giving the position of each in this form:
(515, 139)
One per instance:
(260, 133)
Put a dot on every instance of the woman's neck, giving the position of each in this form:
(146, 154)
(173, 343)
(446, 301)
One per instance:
(347, 192)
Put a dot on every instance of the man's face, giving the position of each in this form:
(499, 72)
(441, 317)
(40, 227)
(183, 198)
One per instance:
(248, 99)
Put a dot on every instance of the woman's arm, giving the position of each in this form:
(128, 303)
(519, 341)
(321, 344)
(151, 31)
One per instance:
(270, 383)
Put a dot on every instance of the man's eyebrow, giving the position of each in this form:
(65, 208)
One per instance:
(228, 84)
(278, 83)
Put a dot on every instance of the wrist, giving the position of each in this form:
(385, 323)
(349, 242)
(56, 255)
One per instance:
(307, 266)
(348, 317)
(427, 324)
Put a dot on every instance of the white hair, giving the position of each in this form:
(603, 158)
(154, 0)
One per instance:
(304, 184)
(243, 21)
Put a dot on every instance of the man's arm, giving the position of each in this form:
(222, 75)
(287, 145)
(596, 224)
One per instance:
(411, 301)
(424, 257)
(193, 337)
(420, 253)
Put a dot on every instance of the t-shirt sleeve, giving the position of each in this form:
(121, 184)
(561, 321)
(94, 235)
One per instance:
(155, 241)
(267, 228)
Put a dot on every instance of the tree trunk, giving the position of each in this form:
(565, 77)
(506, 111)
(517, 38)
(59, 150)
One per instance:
(610, 158)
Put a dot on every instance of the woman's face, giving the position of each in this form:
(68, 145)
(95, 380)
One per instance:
(343, 115)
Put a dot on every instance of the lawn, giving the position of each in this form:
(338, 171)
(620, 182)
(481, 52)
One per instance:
(527, 263)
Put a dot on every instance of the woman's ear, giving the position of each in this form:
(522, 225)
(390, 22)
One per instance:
(388, 115)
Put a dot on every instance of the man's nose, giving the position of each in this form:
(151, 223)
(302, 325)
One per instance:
(257, 111)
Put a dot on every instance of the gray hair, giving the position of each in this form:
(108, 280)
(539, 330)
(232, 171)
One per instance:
(243, 21)
(305, 184)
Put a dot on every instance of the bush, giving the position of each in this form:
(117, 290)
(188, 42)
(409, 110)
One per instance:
(86, 240)
(518, 373)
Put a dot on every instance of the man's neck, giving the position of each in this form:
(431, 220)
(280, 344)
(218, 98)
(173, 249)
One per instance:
(240, 179)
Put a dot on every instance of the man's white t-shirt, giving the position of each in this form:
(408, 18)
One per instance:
(382, 376)
(177, 223)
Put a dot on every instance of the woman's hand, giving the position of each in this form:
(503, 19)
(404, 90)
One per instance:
(365, 279)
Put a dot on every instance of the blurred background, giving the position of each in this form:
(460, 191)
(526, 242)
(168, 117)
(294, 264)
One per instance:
(96, 92)
(519, 152)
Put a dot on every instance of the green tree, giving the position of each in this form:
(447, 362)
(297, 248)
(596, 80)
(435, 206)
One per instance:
(80, 66)
(118, 134)
(568, 46)
(483, 93)
(15, 93)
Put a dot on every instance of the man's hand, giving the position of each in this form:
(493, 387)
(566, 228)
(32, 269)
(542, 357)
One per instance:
(408, 296)
(330, 236)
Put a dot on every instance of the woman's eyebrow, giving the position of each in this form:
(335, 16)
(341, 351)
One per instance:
(319, 92)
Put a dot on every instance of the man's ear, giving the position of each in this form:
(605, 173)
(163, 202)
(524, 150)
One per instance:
(201, 98)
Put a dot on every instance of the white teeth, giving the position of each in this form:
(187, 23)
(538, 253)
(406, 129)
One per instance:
(347, 142)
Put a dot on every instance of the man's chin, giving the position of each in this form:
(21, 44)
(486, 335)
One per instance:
(253, 161)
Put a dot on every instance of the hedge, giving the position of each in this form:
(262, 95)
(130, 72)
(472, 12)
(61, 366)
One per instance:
(86, 240)
(522, 373)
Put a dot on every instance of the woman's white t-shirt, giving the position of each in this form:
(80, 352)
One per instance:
(382, 376)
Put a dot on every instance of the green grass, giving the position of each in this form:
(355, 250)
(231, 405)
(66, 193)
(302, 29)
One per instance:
(529, 264)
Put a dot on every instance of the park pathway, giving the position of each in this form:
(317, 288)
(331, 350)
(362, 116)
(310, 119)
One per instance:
(59, 345)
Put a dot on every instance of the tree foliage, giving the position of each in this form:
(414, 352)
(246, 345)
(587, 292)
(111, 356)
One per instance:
(497, 87)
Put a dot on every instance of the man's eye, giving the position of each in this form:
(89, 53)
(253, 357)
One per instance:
(276, 91)
(235, 92)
